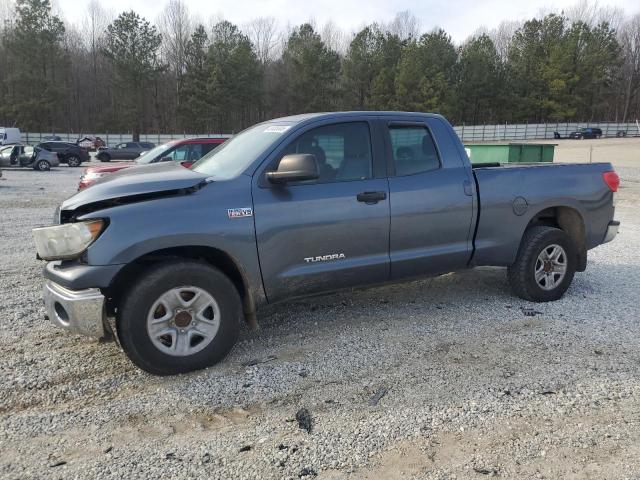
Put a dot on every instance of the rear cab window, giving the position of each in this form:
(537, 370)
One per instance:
(413, 150)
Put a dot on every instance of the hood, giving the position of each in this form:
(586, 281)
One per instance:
(143, 180)
(109, 168)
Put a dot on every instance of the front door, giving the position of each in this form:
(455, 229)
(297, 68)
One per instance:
(329, 233)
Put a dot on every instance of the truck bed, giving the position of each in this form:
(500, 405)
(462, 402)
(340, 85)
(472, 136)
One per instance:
(509, 195)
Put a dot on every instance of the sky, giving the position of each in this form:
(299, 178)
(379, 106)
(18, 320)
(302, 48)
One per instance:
(460, 18)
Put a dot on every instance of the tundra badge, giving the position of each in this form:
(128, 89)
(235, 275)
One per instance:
(240, 212)
(324, 258)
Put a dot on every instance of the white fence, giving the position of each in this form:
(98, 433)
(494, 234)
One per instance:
(112, 139)
(467, 133)
(538, 131)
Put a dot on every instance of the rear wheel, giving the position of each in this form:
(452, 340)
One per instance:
(544, 266)
(42, 166)
(73, 161)
(180, 316)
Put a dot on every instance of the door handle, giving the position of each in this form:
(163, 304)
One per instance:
(467, 188)
(371, 197)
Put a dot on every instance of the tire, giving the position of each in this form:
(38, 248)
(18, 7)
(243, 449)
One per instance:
(74, 161)
(147, 303)
(104, 157)
(522, 274)
(42, 166)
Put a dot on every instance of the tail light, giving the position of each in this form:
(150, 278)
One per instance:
(612, 180)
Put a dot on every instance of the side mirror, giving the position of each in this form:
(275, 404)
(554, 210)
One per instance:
(166, 159)
(297, 167)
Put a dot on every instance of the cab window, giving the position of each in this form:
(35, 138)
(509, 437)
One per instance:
(343, 151)
(179, 154)
(195, 152)
(413, 150)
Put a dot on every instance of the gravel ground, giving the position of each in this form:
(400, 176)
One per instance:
(439, 378)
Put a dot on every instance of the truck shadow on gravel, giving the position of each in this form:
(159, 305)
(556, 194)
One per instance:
(448, 319)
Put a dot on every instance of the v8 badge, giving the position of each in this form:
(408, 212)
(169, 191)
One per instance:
(240, 212)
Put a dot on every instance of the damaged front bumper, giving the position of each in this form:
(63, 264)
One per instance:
(78, 311)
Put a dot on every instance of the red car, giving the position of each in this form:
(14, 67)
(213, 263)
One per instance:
(185, 151)
(90, 144)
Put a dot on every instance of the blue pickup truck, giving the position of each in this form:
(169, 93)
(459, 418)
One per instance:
(168, 259)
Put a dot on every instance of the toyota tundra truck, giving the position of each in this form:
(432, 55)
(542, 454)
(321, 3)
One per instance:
(168, 260)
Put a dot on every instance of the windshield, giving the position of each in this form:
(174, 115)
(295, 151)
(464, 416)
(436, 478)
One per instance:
(233, 156)
(153, 153)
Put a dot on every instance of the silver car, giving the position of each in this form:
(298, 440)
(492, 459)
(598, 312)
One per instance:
(26, 156)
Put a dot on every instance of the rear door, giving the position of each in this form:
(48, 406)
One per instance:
(55, 147)
(431, 200)
(330, 233)
(131, 150)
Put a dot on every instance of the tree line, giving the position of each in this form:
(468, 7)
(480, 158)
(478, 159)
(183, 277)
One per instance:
(123, 73)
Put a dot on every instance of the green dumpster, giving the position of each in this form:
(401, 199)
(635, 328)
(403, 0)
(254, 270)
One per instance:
(510, 152)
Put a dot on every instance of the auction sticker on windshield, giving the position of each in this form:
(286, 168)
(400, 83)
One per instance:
(277, 129)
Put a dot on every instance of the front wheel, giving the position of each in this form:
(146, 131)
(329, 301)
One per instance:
(104, 157)
(544, 266)
(180, 316)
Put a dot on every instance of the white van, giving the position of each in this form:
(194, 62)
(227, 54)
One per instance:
(9, 136)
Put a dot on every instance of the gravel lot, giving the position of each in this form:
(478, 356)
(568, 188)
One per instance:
(440, 378)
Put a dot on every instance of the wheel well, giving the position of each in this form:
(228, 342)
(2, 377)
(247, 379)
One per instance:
(216, 258)
(570, 221)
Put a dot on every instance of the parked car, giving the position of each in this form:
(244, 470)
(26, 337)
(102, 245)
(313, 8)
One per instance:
(185, 151)
(586, 133)
(91, 144)
(169, 258)
(10, 136)
(124, 151)
(68, 153)
(26, 156)
(52, 138)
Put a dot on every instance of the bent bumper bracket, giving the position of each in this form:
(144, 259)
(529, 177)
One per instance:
(78, 311)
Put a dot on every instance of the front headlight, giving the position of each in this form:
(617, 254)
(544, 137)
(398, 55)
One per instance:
(70, 240)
